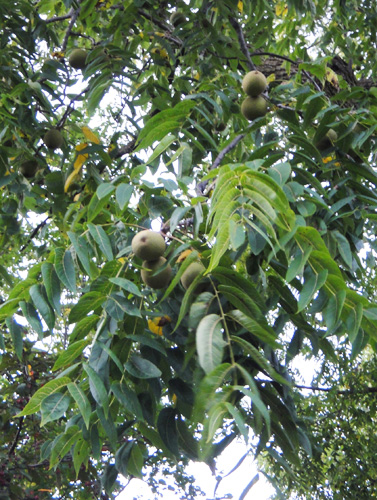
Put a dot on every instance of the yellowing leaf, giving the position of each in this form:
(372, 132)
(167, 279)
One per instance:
(240, 6)
(332, 77)
(196, 75)
(327, 159)
(81, 146)
(155, 325)
(70, 180)
(158, 33)
(91, 136)
(281, 9)
(81, 158)
(183, 255)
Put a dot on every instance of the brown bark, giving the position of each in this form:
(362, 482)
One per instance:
(275, 66)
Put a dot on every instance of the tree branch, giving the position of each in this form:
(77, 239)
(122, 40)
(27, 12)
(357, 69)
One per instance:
(34, 232)
(60, 18)
(362, 390)
(202, 185)
(14, 444)
(242, 42)
(74, 16)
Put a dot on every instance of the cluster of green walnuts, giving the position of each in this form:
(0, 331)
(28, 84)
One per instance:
(255, 105)
(150, 246)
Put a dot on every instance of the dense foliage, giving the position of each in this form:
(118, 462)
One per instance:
(103, 375)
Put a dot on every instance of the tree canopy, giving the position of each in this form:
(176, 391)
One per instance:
(124, 116)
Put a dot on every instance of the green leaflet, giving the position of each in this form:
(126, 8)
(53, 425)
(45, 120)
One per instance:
(265, 334)
(311, 286)
(208, 388)
(97, 388)
(82, 402)
(52, 285)
(35, 402)
(16, 332)
(65, 268)
(39, 297)
(63, 444)
(103, 241)
(67, 357)
(88, 302)
(162, 123)
(240, 193)
(54, 407)
(260, 360)
(210, 342)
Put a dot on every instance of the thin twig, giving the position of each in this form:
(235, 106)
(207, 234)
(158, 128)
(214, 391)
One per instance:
(34, 232)
(74, 16)
(202, 185)
(242, 43)
(362, 390)
(14, 444)
(60, 18)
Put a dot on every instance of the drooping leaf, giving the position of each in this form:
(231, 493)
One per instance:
(141, 368)
(67, 357)
(49, 388)
(65, 268)
(209, 342)
(82, 402)
(54, 407)
(167, 428)
(103, 241)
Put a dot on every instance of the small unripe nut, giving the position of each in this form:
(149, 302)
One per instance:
(189, 274)
(53, 139)
(77, 58)
(159, 280)
(254, 107)
(254, 83)
(148, 245)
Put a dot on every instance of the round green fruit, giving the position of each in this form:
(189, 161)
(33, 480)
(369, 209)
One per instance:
(148, 245)
(177, 18)
(159, 280)
(254, 83)
(53, 139)
(77, 58)
(254, 107)
(327, 140)
(29, 168)
(190, 274)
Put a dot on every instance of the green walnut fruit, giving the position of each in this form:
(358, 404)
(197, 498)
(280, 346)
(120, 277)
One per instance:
(148, 245)
(77, 58)
(190, 274)
(177, 18)
(254, 107)
(159, 280)
(254, 83)
(29, 168)
(327, 140)
(53, 139)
